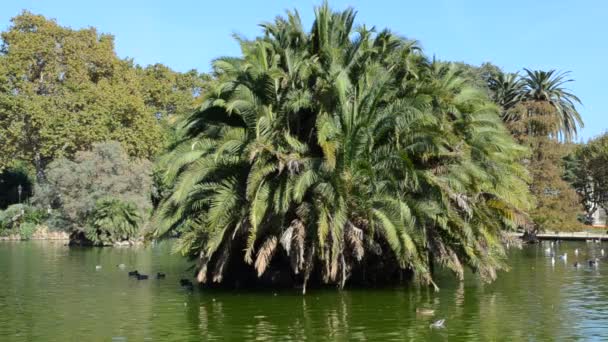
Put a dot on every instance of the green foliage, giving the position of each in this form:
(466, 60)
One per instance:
(20, 219)
(587, 168)
(26, 230)
(112, 221)
(537, 104)
(61, 90)
(74, 187)
(345, 145)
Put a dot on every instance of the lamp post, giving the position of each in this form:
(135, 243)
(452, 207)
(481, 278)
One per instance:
(19, 190)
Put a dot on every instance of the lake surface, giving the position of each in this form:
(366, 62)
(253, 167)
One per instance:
(49, 292)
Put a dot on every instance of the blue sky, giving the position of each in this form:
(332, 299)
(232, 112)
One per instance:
(541, 34)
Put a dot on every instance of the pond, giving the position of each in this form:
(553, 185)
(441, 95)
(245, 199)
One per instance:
(49, 292)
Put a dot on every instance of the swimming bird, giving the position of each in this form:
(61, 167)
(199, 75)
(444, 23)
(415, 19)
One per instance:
(425, 312)
(552, 261)
(142, 276)
(564, 256)
(98, 267)
(593, 262)
(576, 252)
(577, 265)
(437, 324)
(602, 251)
(160, 275)
(548, 250)
(185, 282)
(121, 266)
(133, 273)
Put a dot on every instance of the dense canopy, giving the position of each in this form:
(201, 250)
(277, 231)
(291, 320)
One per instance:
(345, 153)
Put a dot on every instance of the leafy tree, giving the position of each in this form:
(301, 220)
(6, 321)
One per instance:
(338, 150)
(74, 187)
(588, 173)
(61, 90)
(113, 221)
(169, 92)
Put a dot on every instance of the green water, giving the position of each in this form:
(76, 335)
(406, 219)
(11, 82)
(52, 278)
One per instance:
(49, 292)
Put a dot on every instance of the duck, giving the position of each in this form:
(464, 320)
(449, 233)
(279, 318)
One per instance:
(438, 324)
(594, 262)
(185, 282)
(142, 276)
(564, 256)
(425, 311)
(548, 250)
(160, 275)
(98, 267)
(133, 273)
(577, 265)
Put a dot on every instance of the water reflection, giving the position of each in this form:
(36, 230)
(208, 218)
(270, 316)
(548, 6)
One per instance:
(50, 292)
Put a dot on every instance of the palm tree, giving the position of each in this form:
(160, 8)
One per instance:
(113, 221)
(508, 90)
(543, 88)
(340, 150)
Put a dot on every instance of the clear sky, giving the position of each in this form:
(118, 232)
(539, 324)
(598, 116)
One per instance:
(541, 34)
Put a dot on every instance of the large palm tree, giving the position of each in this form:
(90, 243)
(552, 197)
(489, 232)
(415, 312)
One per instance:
(340, 150)
(544, 95)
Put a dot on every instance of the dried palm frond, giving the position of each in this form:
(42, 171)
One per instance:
(265, 254)
(220, 264)
(354, 237)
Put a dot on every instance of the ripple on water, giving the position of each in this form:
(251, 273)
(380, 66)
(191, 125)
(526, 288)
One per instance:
(50, 292)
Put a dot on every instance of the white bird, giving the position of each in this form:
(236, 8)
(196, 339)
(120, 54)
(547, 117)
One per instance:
(576, 252)
(564, 257)
(602, 251)
(98, 267)
(552, 261)
(552, 243)
(121, 266)
(548, 250)
(438, 324)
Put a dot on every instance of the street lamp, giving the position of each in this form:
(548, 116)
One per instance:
(19, 190)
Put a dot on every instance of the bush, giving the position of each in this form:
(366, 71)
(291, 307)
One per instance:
(21, 219)
(113, 221)
(26, 230)
(74, 188)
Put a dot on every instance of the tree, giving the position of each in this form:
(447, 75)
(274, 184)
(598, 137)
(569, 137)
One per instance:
(341, 150)
(542, 115)
(61, 90)
(588, 173)
(545, 96)
(74, 188)
(113, 221)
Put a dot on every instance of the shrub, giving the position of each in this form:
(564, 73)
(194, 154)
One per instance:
(112, 221)
(73, 188)
(22, 219)
(26, 230)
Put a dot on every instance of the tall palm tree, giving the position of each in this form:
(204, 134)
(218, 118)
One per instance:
(547, 87)
(339, 150)
(507, 89)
